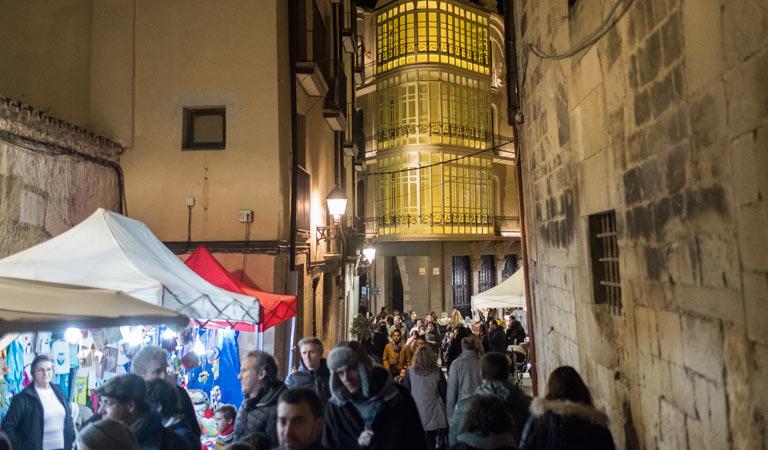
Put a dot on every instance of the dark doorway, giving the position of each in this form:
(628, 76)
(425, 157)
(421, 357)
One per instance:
(397, 287)
(462, 284)
(487, 276)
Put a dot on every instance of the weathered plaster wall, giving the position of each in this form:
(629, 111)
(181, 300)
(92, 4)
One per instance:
(52, 176)
(665, 121)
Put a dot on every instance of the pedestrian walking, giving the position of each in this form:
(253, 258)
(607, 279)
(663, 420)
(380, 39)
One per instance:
(300, 420)
(566, 418)
(455, 347)
(106, 434)
(464, 375)
(262, 388)
(367, 410)
(313, 371)
(486, 427)
(497, 341)
(397, 355)
(428, 388)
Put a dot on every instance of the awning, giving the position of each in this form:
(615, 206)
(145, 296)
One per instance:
(275, 308)
(34, 305)
(111, 251)
(510, 293)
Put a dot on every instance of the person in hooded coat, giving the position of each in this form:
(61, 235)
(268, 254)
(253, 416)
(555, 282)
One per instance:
(313, 373)
(367, 410)
(566, 418)
(494, 369)
(488, 426)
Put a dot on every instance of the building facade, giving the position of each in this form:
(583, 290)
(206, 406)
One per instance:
(645, 161)
(440, 182)
(236, 120)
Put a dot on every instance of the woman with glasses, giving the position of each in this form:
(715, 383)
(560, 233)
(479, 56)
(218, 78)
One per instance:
(39, 416)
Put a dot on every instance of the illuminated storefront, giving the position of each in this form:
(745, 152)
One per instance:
(433, 175)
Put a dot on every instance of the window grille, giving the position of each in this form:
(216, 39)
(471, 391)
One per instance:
(510, 266)
(462, 284)
(604, 251)
(487, 274)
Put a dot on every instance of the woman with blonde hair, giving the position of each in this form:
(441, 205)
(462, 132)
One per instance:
(428, 388)
(106, 434)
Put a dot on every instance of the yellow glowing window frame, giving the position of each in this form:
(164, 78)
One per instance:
(431, 31)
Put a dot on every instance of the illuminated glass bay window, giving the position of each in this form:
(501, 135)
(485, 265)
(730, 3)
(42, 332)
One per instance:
(432, 120)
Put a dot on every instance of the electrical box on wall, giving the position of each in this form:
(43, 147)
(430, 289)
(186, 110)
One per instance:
(189, 201)
(245, 216)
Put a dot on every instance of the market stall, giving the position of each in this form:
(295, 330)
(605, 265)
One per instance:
(510, 293)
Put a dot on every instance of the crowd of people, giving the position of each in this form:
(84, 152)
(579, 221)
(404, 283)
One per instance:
(381, 394)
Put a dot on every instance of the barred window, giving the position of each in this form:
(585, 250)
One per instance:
(604, 251)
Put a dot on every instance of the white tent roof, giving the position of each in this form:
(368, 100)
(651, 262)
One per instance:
(34, 305)
(111, 251)
(510, 293)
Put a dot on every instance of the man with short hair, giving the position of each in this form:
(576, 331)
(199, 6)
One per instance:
(123, 399)
(300, 420)
(151, 363)
(463, 374)
(313, 372)
(367, 410)
(494, 369)
(497, 340)
(261, 388)
(397, 355)
(398, 325)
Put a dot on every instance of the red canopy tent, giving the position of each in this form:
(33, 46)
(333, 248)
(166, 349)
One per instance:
(274, 308)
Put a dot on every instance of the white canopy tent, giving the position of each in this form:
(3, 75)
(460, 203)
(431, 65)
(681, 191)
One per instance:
(510, 293)
(111, 251)
(27, 305)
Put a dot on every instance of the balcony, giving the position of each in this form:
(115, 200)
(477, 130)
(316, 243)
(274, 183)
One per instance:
(335, 107)
(312, 61)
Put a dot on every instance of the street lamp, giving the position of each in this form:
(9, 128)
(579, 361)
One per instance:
(337, 203)
(369, 253)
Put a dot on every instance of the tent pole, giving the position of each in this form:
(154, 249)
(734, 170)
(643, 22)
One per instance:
(290, 352)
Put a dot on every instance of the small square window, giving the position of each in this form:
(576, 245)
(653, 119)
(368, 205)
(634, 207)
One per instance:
(604, 251)
(204, 129)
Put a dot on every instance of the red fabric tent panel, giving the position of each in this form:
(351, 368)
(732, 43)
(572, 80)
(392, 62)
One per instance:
(274, 308)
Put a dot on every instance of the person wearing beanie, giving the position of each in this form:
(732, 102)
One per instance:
(367, 410)
(106, 433)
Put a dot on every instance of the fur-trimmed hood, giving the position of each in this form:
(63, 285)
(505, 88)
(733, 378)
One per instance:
(540, 406)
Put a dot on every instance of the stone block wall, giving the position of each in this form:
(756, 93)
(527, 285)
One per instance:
(665, 122)
(52, 175)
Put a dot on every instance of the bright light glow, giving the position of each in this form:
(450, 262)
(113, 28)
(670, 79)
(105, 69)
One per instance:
(169, 334)
(73, 335)
(337, 203)
(369, 253)
(133, 336)
(199, 348)
(511, 234)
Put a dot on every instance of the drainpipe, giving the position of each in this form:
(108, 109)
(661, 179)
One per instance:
(513, 112)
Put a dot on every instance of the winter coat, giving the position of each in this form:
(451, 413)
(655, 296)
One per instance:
(259, 414)
(517, 404)
(497, 341)
(179, 425)
(188, 409)
(393, 359)
(428, 392)
(380, 340)
(565, 425)
(463, 378)
(473, 441)
(396, 423)
(515, 334)
(316, 380)
(23, 424)
(151, 434)
(454, 348)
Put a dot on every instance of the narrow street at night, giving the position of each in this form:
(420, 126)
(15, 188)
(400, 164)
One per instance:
(384, 224)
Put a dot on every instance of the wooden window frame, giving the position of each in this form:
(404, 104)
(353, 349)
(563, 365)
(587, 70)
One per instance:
(190, 113)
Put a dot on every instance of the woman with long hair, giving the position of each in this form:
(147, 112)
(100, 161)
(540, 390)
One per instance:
(428, 387)
(566, 418)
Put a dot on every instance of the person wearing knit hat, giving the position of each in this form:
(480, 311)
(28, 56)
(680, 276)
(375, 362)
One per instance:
(367, 410)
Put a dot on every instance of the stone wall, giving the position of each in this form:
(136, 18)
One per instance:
(52, 175)
(665, 122)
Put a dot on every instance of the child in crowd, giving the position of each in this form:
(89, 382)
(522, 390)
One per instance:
(225, 423)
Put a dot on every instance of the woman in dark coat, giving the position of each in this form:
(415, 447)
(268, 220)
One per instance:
(565, 418)
(39, 416)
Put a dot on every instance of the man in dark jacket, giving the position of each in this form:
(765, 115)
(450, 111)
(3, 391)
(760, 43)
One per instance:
(123, 399)
(367, 410)
(151, 363)
(497, 341)
(313, 372)
(24, 422)
(300, 420)
(494, 368)
(262, 388)
(515, 331)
